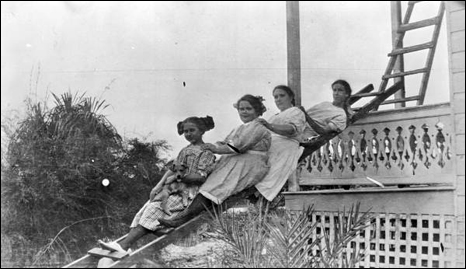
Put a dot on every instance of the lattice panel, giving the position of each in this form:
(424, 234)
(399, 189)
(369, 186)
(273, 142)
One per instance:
(399, 240)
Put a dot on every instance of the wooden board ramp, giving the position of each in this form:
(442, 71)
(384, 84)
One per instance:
(145, 252)
(124, 261)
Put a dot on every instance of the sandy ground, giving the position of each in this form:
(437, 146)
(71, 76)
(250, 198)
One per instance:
(206, 254)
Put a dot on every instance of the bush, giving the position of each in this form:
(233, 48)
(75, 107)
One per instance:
(53, 199)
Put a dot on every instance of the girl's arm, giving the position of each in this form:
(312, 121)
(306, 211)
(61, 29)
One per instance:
(218, 148)
(194, 178)
(159, 185)
(281, 129)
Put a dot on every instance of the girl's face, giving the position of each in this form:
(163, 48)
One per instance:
(246, 112)
(192, 133)
(339, 94)
(282, 99)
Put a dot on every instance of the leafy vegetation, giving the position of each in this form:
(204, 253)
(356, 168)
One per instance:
(286, 239)
(53, 200)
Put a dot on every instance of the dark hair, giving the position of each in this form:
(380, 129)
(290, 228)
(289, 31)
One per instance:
(255, 101)
(288, 91)
(345, 84)
(348, 90)
(204, 124)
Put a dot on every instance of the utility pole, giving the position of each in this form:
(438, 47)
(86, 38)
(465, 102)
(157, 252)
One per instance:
(293, 49)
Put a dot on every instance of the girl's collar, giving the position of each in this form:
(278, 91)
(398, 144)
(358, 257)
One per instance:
(284, 110)
(249, 122)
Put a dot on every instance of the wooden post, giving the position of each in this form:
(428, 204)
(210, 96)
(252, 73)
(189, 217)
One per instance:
(293, 49)
(395, 8)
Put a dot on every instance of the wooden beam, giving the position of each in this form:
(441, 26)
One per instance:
(293, 49)
(395, 8)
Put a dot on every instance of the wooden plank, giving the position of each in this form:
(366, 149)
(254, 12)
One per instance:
(414, 48)
(430, 241)
(442, 239)
(395, 7)
(409, 230)
(180, 232)
(408, 113)
(310, 180)
(160, 242)
(457, 41)
(457, 21)
(455, 5)
(362, 113)
(430, 56)
(460, 168)
(422, 200)
(459, 123)
(457, 62)
(460, 185)
(460, 144)
(418, 24)
(369, 94)
(407, 99)
(407, 73)
(87, 260)
(458, 103)
(377, 240)
(457, 82)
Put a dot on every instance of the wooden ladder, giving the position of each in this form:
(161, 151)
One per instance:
(398, 52)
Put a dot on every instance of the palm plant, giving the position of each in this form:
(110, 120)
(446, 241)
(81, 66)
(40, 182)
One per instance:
(284, 239)
(348, 226)
(81, 115)
(245, 233)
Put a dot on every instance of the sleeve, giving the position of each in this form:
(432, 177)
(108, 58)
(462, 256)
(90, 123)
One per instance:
(339, 121)
(297, 119)
(206, 162)
(181, 156)
(246, 138)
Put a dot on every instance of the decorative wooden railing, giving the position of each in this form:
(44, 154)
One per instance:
(394, 147)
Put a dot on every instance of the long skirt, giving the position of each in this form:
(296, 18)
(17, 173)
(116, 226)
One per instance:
(150, 212)
(234, 173)
(283, 159)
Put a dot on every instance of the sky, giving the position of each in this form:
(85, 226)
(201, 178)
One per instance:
(157, 63)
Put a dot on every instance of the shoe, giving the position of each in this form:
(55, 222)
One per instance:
(105, 262)
(112, 246)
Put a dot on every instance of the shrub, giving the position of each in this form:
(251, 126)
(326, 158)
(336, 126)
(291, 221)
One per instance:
(51, 179)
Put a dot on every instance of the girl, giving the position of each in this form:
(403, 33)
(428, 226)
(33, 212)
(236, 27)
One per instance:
(286, 128)
(198, 162)
(243, 163)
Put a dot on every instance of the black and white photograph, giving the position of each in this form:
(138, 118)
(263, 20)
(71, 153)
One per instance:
(233, 134)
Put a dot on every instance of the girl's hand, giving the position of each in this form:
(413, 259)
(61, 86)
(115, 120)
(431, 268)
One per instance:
(208, 146)
(154, 192)
(264, 123)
